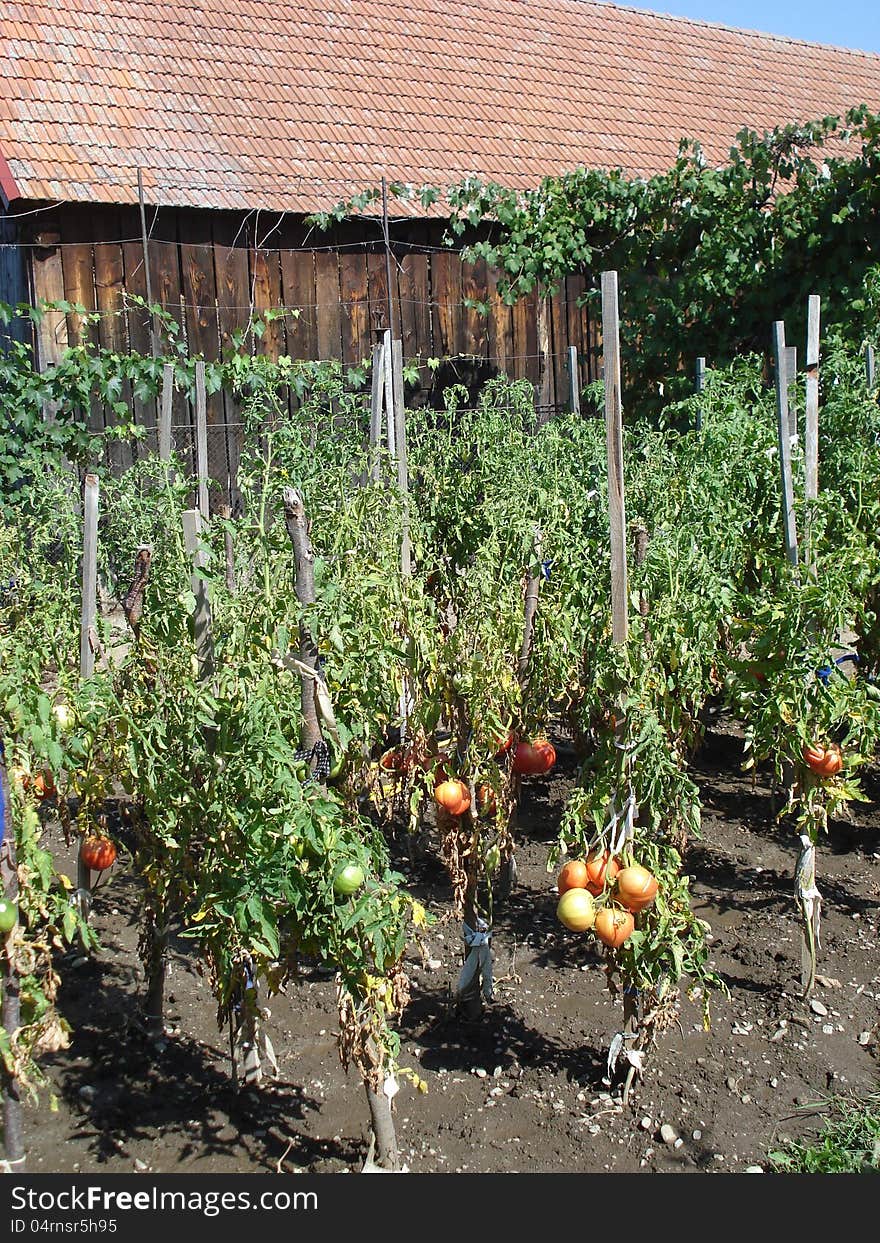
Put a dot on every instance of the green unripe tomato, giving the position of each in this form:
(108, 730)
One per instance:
(8, 916)
(348, 879)
(64, 717)
(337, 771)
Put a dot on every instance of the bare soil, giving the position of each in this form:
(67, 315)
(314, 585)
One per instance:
(523, 1089)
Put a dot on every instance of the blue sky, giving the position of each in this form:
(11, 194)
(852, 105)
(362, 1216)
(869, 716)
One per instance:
(847, 23)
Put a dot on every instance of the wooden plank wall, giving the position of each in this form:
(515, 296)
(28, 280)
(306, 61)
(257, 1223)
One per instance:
(211, 270)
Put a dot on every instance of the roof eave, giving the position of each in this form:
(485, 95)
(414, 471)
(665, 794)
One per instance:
(8, 187)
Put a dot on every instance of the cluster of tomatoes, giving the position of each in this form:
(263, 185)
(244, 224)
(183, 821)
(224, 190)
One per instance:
(529, 759)
(629, 890)
(823, 761)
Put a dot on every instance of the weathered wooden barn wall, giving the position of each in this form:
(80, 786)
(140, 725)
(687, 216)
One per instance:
(13, 275)
(212, 270)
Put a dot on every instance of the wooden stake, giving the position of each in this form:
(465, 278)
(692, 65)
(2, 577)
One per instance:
(574, 387)
(88, 620)
(89, 610)
(699, 386)
(614, 441)
(402, 463)
(791, 382)
(10, 1008)
(165, 412)
(870, 372)
(298, 530)
(387, 237)
(811, 430)
(202, 440)
(226, 515)
(784, 432)
(533, 588)
(377, 396)
(388, 393)
(154, 335)
(192, 536)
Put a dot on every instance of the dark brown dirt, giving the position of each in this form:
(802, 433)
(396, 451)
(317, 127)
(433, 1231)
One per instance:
(523, 1089)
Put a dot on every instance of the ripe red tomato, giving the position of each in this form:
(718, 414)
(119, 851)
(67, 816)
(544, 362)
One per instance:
(97, 853)
(636, 888)
(601, 870)
(454, 796)
(574, 875)
(824, 761)
(613, 926)
(534, 758)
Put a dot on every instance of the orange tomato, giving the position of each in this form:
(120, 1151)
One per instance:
(44, 785)
(576, 911)
(486, 800)
(613, 927)
(97, 853)
(454, 796)
(601, 870)
(574, 875)
(636, 888)
(394, 761)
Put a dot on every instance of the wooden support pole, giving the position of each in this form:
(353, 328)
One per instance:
(811, 428)
(574, 387)
(388, 394)
(377, 396)
(89, 609)
(154, 334)
(784, 433)
(228, 549)
(304, 559)
(88, 632)
(165, 412)
(699, 386)
(195, 550)
(202, 440)
(870, 367)
(791, 382)
(10, 1007)
(614, 440)
(402, 462)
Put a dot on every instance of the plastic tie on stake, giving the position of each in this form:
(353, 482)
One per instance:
(618, 1049)
(478, 960)
(808, 897)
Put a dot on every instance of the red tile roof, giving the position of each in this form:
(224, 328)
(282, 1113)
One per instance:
(280, 105)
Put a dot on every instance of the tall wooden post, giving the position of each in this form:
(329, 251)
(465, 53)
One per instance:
(165, 412)
(574, 387)
(699, 386)
(784, 433)
(10, 1007)
(614, 441)
(791, 382)
(202, 440)
(88, 622)
(192, 537)
(811, 420)
(377, 397)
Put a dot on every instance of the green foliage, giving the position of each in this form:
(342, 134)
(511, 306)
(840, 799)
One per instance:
(848, 1142)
